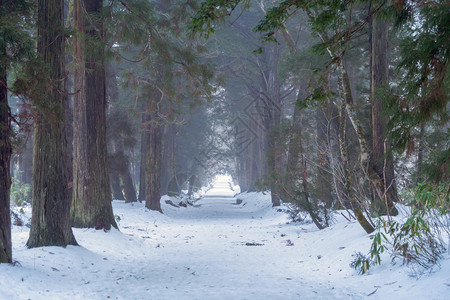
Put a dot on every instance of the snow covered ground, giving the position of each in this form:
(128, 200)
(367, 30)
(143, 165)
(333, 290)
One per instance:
(218, 249)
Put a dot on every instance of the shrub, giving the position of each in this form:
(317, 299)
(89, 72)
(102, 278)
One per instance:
(20, 192)
(361, 263)
(419, 240)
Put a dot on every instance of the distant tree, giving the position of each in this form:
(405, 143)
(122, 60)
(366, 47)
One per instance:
(164, 76)
(50, 223)
(120, 136)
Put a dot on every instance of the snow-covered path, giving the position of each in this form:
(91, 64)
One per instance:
(218, 249)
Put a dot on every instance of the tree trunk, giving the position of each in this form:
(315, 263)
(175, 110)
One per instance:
(144, 144)
(115, 187)
(345, 161)
(274, 152)
(381, 159)
(334, 156)
(153, 164)
(296, 180)
(26, 161)
(50, 222)
(169, 157)
(5, 157)
(344, 89)
(91, 203)
(128, 186)
(323, 180)
(419, 175)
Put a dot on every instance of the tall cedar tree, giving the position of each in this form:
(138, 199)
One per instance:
(153, 155)
(50, 223)
(91, 201)
(5, 157)
(382, 161)
(16, 48)
(5, 153)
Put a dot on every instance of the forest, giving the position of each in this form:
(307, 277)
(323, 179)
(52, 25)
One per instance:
(224, 149)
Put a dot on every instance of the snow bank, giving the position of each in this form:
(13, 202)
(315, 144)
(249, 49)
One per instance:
(224, 247)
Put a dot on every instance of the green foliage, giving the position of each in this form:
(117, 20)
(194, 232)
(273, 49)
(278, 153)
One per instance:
(377, 248)
(360, 263)
(418, 240)
(20, 192)
(423, 92)
(210, 11)
(158, 54)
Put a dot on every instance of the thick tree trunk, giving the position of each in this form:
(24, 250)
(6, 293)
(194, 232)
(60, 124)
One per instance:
(50, 222)
(5, 176)
(91, 203)
(153, 164)
(381, 158)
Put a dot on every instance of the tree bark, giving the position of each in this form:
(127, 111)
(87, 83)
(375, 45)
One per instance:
(50, 222)
(153, 163)
(381, 158)
(91, 203)
(5, 158)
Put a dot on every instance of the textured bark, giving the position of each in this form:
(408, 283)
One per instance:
(91, 203)
(381, 158)
(50, 223)
(5, 176)
(153, 164)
